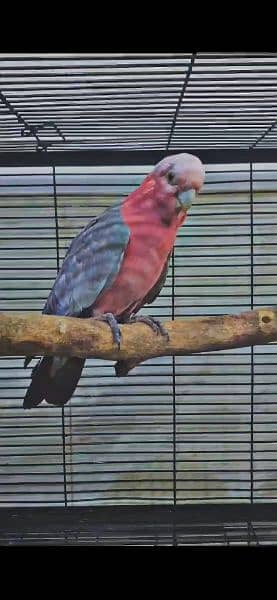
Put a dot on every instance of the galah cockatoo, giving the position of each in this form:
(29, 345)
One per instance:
(116, 265)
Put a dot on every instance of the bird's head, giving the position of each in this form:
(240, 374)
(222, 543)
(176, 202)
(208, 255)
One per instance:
(181, 175)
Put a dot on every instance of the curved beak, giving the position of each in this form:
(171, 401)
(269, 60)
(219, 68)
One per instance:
(185, 199)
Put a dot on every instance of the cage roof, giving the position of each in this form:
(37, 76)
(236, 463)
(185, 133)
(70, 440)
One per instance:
(138, 102)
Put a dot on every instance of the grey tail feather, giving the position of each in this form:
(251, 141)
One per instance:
(55, 385)
(122, 368)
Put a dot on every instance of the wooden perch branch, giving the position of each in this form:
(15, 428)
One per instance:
(33, 334)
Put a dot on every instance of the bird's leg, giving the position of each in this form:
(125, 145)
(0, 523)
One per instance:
(155, 325)
(112, 322)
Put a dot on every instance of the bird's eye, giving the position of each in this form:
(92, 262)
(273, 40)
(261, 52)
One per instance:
(170, 177)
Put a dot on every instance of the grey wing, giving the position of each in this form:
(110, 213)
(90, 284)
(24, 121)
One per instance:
(155, 290)
(90, 265)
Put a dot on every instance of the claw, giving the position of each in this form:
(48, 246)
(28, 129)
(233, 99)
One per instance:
(112, 322)
(155, 325)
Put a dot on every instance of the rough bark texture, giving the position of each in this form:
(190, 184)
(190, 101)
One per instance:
(33, 334)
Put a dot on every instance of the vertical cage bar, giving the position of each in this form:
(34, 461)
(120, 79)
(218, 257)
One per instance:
(58, 266)
(179, 102)
(173, 383)
(252, 348)
(173, 399)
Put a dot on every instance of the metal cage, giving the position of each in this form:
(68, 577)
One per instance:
(183, 451)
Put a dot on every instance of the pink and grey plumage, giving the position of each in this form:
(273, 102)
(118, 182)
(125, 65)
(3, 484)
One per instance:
(116, 265)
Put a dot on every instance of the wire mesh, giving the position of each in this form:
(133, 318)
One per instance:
(184, 430)
(178, 432)
(138, 101)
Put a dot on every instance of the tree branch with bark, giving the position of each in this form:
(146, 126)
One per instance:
(30, 334)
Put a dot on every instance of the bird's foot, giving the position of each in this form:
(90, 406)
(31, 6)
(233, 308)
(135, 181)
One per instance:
(112, 322)
(155, 325)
